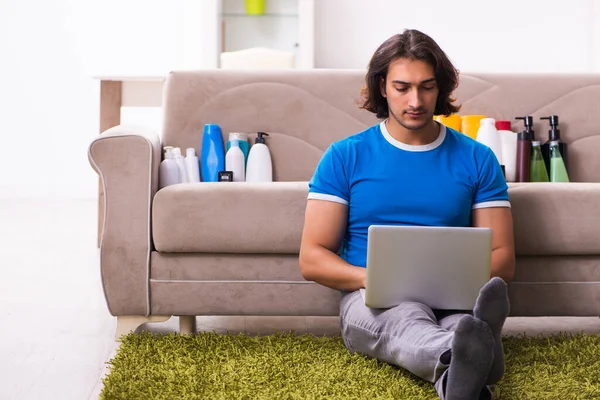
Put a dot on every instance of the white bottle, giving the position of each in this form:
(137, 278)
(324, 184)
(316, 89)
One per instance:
(234, 161)
(488, 135)
(192, 165)
(183, 176)
(168, 171)
(259, 167)
(509, 152)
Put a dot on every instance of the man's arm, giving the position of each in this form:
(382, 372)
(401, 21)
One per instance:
(499, 219)
(324, 227)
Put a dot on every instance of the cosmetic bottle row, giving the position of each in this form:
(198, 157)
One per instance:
(237, 162)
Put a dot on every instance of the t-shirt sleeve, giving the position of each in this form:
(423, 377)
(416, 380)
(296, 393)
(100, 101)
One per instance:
(492, 190)
(330, 182)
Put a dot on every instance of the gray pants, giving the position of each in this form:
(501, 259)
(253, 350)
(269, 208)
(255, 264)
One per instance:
(410, 335)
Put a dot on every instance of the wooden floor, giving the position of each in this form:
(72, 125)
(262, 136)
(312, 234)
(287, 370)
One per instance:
(55, 331)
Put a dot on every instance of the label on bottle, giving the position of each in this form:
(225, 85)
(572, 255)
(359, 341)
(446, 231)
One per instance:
(225, 176)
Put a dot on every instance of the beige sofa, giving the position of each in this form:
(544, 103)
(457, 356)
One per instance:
(232, 248)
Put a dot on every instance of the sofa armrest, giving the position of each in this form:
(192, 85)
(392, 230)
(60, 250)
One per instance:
(127, 160)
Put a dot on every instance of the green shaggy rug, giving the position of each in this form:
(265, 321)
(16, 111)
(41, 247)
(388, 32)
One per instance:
(290, 366)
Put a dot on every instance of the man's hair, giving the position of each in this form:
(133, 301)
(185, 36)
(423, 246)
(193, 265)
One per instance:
(413, 45)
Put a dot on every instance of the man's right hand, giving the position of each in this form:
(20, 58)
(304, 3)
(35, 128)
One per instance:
(324, 228)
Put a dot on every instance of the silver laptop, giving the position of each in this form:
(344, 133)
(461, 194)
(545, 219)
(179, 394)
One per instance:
(442, 267)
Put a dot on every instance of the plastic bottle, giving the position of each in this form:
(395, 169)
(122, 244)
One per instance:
(192, 165)
(509, 149)
(488, 135)
(259, 167)
(255, 7)
(183, 175)
(168, 171)
(558, 171)
(242, 139)
(213, 156)
(554, 136)
(453, 121)
(524, 150)
(538, 167)
(234, 161)
(470, 125)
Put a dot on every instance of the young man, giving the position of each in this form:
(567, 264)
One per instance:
(410, 170)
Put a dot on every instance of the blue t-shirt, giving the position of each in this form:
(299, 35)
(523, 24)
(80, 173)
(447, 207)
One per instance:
(386, 182)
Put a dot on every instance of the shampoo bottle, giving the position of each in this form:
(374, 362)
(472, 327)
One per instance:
(524, 150)
(259, 167)
(213, 156)
(488, 135)
(234, 161)
(168, 171)
(538, 167)
(183, 175)
(243, 144)
(192, 165)
(509, 149)
(558, 170)
(554, 136)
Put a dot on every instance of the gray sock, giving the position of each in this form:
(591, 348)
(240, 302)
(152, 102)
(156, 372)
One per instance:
(492, 306)
(472, 356)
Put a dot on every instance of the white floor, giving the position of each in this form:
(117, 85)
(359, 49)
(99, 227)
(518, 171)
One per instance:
(55, 332)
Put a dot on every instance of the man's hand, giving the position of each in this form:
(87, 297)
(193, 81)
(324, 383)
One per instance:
(499, 219)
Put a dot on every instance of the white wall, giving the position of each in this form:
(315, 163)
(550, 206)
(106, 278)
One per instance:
(507, 36)
(595, 16)
(50, 51)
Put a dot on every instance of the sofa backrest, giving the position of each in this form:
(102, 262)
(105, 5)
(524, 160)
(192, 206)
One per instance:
(304, 111)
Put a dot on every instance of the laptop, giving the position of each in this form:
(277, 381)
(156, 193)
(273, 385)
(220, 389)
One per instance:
(442, 267)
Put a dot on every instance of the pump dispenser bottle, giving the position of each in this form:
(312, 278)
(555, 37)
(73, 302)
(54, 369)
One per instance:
(558, 170)
(538, 167)
(554, 136)
(259, 167)
(524, 150)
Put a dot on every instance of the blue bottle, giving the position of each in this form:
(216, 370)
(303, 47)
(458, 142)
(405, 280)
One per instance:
(212, 159)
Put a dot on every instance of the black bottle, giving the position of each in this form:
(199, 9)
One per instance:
(554, 136)
(524, 149)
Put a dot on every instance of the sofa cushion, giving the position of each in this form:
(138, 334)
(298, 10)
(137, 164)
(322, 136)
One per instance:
(555, 218)
(229, 217)
(241, 217)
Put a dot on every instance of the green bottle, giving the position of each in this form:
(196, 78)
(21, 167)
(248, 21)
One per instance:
(538, 172)
(558, 170)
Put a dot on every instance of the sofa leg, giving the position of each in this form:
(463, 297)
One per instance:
(187, 324)
(129, 323)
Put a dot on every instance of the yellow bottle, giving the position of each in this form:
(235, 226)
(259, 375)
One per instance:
(453, 121)
(470, 125)
(255, 7)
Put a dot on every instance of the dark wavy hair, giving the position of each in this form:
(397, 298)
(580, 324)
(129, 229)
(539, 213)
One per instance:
(414, 45)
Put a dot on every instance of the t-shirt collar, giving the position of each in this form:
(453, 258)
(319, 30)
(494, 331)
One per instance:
(410, 147)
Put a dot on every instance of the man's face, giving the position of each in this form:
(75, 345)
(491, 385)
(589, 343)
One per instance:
(411, 92)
